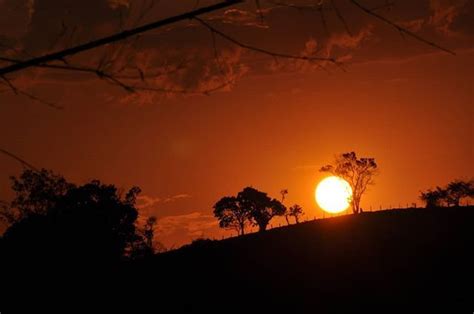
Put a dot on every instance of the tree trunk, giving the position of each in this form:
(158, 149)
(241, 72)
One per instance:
(242, 229)
(355, 205)
(262, 227)
(287, 220)
(297, 220)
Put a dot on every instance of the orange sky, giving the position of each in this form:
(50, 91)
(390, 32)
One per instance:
(407, 105)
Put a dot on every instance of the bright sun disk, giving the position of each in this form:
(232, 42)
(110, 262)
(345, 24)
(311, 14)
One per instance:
(333, 194)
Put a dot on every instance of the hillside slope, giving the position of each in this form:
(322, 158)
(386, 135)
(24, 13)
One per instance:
(397, 257)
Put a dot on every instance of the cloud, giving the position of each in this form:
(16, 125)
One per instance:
(146, 201)
(413, 25)
(176, 197)
(197, 70)
(343, 42)
(444, 12)
(339, 46)
(195, 224)
(115, 4)
(241, 18)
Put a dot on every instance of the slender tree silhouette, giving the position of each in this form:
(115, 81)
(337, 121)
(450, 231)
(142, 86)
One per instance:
(359, 172)
(295, 211)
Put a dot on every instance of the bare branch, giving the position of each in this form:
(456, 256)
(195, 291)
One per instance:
(20, 160)
(310, 7)
(341, 18)
(18, 91)
(400, 28)
(260, 50)
(99, 73)
(114, 38)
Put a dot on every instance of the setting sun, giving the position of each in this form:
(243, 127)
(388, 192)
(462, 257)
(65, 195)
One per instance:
(333, 194)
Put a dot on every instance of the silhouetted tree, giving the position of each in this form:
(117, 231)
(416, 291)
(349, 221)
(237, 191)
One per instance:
(149, 231)
(231, 214)
(295, 211)
(451, 195)
(261, 208)
(457, 190)
(89, 223)
(35, 193)
(283, 193)
(359, 172)
(432, 198)
(144, 243)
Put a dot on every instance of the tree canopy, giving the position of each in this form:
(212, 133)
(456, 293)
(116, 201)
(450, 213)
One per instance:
(59, 221)
(450, 195)
(250, 206)
(358, 172)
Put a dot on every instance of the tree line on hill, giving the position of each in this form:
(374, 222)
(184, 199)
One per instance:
(94, 222)
(253, 207)
(450, 195)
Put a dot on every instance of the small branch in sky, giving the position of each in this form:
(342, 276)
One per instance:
(18, 91)
(261, 50)
(341, 18)
(400, 28)
(115, 37)
(20, 160)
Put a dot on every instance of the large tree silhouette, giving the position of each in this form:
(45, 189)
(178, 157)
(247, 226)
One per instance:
(359, 172)
(89, 224)
(250, 206)
(261, 208)
(35, 193)
(231, 214)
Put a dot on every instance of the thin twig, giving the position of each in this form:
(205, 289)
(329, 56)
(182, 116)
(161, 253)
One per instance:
(341, 18)
(115, 37)
(20, 160)
(400, 28)
(261, 50)
(18, 91)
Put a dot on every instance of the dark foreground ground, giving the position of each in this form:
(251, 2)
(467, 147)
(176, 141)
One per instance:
(382, 261)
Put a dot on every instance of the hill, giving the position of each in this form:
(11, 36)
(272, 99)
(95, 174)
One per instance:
(379, 261)
(389, 258)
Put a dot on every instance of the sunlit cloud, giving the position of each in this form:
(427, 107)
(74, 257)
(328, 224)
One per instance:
(444, 12)
(145, 201)
(195, 224)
